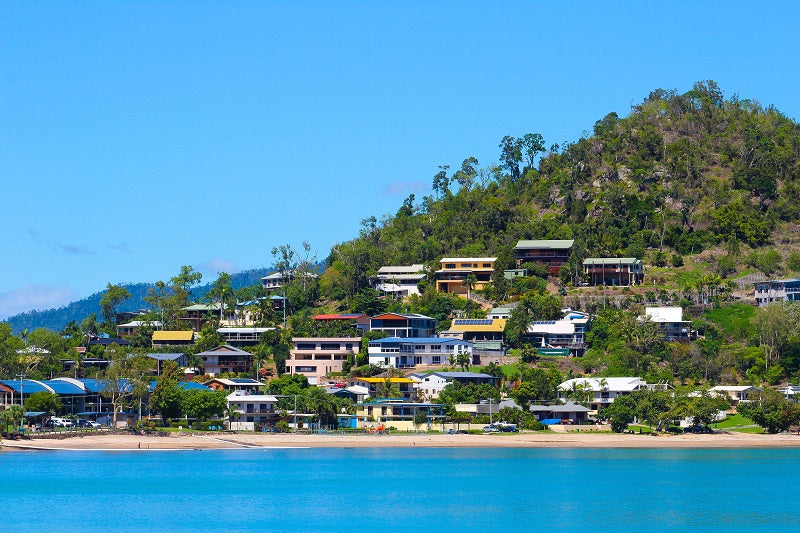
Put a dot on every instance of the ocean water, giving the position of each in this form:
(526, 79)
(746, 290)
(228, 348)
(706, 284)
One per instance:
(411, 489)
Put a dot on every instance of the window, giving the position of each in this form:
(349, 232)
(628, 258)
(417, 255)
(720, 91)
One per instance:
(436, 347)
(309, 369)
(420, 347)
(487, 265)
(450, 265)
(306, 346)
(330, 346)
(437, 359)
(348, 346)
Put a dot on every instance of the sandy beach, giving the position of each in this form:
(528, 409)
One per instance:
(189, 441)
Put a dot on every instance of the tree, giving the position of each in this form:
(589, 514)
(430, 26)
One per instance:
(622, 412)
(113, 296)
(775, 324)
(222, 292)
(387, 389)
(701, 407)
(202, 404)
(166, 397)
(46, 402)
(511, 155)
(532, 144)
(125, 377)
(771, 411)
(13, 414)
(172, 297)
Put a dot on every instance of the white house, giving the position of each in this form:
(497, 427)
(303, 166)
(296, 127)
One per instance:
(736, 393)
(408, 352)
(399, 280)
(251, 409)
(431, 384)
(566, 336)
(602, 391)
(670, 321)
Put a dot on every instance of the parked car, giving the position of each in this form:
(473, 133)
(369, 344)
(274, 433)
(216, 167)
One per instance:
(61, 422)
(490, 429)
(697, 429)
(509, 428)
(93, 424)
(81, 423)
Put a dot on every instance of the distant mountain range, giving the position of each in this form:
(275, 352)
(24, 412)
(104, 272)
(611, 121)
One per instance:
(56, 319)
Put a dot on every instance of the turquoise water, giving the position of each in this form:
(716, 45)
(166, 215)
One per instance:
(400, 489)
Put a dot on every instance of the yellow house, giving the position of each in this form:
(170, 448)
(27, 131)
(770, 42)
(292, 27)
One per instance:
(172, 337)
(399, 415)
(455, 270)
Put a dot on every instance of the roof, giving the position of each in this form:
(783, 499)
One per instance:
(399, 316)
(241, 396)
(733, 388)
(456, 375)
(244, 330)
(479, 324)
(381, 380)
(418, 340)
(468, 259)
(165, 356)
(339, 316)
(29, 386)
(547, 244)
(109, 341)
(202, 307)
(553, 326)
(624, 384)
(611, 260)
(568, 407)
(407, 269)
(664, 314)
(170, 335)
(235, 381)
(224, 349)
(139, 323)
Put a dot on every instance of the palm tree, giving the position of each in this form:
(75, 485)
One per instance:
(387, 389)
(469, 282)
(231, 412)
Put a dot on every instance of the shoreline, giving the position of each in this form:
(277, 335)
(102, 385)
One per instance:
(195, 442)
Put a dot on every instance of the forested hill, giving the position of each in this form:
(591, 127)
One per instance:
(681, 174)
(56, 319)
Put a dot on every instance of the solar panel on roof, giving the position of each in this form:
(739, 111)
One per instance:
(547, 322)
(473, 321)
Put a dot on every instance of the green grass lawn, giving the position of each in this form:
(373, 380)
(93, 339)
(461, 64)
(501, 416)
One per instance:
(733, 421)
(748, 430)
(638, 428)
(735, 320)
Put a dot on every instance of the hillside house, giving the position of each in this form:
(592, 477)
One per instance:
(454, 271)
(226, 358)
(399, 281)
(778, 290)
(670, 322)
(613, 271)
(550, 253)
(316, 357)
(403, 325)
(397, 352)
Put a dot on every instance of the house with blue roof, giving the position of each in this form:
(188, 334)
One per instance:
(410, 352)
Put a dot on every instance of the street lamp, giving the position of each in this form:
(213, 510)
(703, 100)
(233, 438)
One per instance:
(21, 398)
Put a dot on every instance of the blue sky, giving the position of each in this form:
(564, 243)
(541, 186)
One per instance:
(136, 137)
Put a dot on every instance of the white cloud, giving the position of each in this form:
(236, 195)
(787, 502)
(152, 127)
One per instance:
(216, 265)
(35, 297)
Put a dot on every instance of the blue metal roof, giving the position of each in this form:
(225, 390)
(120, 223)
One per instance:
(245, 381)
(93, 385)
(184, 385)
(64, 387)
(28, 386)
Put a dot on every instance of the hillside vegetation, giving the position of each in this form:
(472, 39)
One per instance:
(704, 189)
(683, 173)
